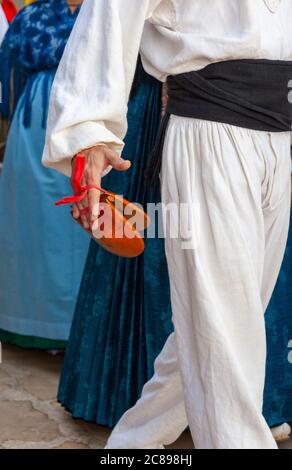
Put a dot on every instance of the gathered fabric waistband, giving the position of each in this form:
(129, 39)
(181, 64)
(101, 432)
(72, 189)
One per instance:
(251, 94)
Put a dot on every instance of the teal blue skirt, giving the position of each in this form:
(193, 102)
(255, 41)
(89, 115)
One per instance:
(123, 313)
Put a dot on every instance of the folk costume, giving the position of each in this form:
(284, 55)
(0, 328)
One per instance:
(224, 152)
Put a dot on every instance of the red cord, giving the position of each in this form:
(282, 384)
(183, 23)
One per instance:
(10, 10)
(80, 192)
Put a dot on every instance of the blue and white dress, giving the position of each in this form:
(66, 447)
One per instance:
(43, 251)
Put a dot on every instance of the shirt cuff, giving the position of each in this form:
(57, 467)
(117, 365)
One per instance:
(61, 146)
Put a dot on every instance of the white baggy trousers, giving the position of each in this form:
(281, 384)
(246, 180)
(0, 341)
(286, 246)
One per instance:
(210, 374)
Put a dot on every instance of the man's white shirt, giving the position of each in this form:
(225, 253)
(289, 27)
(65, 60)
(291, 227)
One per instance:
(90, 93)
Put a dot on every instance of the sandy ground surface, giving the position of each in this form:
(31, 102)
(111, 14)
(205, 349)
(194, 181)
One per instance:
(30, 416)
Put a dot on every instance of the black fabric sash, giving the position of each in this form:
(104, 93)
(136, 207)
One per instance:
(246, 93)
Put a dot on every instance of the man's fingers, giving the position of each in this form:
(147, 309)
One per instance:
(93, 200)
(93, 176)
(84, 221)
(75, 211)
(117, 162)
(84, 218)
(84, 205)
(97, 160)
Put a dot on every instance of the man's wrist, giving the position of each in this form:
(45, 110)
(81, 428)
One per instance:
(85, 151)
(97, 146)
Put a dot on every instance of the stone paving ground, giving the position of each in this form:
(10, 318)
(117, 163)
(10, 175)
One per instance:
(30, 416)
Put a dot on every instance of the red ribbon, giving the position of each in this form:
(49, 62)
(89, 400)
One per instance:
(80, 192)
(10, 10)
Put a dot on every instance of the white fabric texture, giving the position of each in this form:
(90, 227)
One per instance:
(3, 24)
(91, 89)
(211, 371)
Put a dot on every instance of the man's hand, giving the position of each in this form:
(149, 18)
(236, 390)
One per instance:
(97, 160)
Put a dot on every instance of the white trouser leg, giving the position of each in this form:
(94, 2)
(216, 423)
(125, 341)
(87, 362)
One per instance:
(159, 416)
(240, 179)
(277, 212)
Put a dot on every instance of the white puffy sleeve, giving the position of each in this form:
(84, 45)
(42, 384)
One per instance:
(88, 103)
